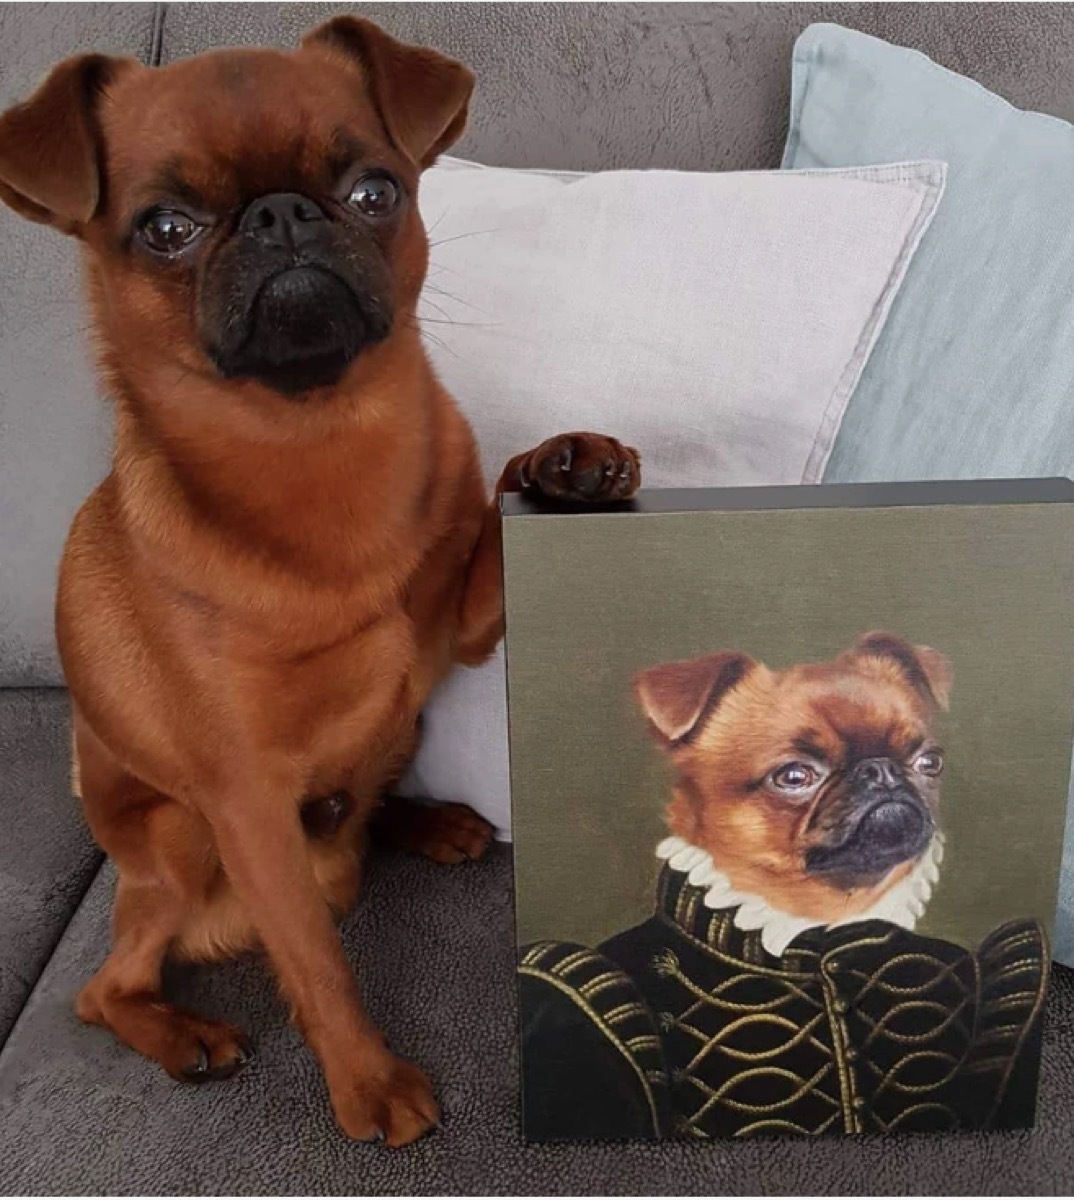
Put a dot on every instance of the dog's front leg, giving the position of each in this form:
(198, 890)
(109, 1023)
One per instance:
(264, 853)
(587, 468)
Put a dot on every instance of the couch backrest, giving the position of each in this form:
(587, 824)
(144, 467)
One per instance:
(699, 87)
(54, 426)
(584, 86)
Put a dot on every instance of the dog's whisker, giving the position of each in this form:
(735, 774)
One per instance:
(451, 296)
(431, 338)
(458, 237)
(436, 224)
(462, 324)
(432, 304)
(440, 267)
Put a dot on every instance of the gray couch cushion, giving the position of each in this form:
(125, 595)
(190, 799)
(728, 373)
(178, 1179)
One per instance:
(53, 427)
(47, 858)
(434, 948)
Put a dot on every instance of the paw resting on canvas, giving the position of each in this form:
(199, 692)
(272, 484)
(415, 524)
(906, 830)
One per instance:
(586, 468)
(294, 543)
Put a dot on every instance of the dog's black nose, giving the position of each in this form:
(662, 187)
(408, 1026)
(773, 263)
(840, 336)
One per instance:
(894, 824)
(282, 220)
(884, 771)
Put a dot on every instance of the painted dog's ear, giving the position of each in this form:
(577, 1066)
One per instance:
(928, 671)
(421, 96)
(676, 696)
(51, 151)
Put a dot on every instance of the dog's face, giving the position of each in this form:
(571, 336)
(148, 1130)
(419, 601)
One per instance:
(250, 214)
(816, 787)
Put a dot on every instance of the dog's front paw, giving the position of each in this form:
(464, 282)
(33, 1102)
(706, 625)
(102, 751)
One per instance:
(586, 467)
(392, 1103)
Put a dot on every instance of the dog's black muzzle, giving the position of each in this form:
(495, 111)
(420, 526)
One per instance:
(886, 823)
(293, 301)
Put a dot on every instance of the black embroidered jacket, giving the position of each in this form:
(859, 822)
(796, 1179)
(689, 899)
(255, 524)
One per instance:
(686, 1026)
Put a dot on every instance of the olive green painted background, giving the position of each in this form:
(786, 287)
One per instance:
(593, 598)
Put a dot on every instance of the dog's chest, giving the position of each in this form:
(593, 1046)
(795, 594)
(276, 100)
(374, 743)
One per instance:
(344, 711)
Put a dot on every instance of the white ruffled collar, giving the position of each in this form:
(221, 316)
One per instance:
(901, 905)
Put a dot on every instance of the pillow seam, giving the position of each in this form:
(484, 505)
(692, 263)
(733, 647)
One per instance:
(799, 87)
(927, 203)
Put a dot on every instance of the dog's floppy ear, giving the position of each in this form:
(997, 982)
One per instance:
(50, 145)
(676, 696)
(421, 95)
(928, 671)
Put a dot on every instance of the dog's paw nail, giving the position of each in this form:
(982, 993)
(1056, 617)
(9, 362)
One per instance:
(626, 471)
(566, 458)
(244, 1052)
(198, 1071)
(609, 469)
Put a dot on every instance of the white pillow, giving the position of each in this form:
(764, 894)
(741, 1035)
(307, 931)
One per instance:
(717, 322)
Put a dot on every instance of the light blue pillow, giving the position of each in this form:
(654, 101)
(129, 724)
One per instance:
(973, 374)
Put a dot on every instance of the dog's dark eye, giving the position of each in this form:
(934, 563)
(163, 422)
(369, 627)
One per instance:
(375, 194)
(167, 231)
(794, 777)
(929, 763)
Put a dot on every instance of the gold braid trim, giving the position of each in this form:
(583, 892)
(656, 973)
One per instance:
(719, 1095)
(730, 959)
(781, 1126)
(667, 963)
(802, 1033)
(950, 1017)
(914, 1109)
(600, 1021)
(1004, 939)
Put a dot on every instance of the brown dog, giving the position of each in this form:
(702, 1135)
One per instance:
(813, 790)
(294, 543)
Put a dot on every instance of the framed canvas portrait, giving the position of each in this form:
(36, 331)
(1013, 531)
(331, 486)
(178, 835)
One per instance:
(789, 774)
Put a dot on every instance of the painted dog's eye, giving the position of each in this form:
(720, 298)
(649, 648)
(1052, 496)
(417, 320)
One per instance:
(794, 777)
(167, 231)
(375, 194)
(930, 763)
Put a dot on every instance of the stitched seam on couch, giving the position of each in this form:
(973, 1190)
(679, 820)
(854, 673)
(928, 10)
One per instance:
(34, 978)
(156, 45)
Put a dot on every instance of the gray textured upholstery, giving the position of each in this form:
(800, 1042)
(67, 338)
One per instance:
(80, 1114)
(47, 859)
(53, 426)
(53, 442)
(585, 86)
(692, 86)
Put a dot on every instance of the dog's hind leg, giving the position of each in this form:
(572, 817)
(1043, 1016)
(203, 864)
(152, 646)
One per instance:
(446, 833)
(166, 867)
